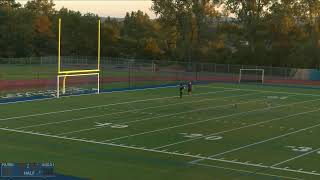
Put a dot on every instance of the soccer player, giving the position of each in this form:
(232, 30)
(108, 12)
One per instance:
(181, 87)
(190, 88)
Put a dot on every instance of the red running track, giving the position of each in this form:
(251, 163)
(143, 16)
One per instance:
(6, 85)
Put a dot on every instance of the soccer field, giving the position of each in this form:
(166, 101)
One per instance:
(221, 132)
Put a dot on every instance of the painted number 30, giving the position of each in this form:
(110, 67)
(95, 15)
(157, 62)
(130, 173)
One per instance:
(193, 135)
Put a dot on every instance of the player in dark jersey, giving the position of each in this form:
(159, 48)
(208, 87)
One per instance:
(190, 88)
(181, 87)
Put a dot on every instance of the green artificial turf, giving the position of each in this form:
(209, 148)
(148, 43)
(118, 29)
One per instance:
(221, 132)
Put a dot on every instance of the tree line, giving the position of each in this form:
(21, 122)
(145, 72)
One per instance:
(253, 32)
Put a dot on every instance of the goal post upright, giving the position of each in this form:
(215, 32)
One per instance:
(59, 46)
(99, 43)
(75, 73)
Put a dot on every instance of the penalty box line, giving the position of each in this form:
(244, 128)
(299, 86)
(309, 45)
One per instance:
(106, 105)
(129, 111)
(126, 147)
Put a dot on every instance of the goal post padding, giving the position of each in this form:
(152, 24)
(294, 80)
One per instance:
(251, 75)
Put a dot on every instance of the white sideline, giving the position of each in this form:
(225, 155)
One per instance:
(239, 128)
(104, 105)
(78, 95)
(135, 110)
(246, 171)
(157, 117)
(136, 148)
(210, 119)
(261, 142)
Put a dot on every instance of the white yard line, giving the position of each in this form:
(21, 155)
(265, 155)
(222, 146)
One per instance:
(90, 94)
(210, 119)
(246, 171)
(256, 90)
(259, 166)
(133, 148)
(97, 142)
(239, 128)
(260, 142)
(135, 110)
(157, 117)
(291, 159)
(104, 105)
(296, 171)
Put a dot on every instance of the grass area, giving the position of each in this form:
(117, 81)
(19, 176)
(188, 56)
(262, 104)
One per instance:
(27, 72)
(223, 131)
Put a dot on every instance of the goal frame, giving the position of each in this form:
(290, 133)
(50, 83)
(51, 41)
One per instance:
(64, 76)
(241, 74)
(74, 73)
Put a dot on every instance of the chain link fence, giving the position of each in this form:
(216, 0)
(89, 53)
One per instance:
(39, 73)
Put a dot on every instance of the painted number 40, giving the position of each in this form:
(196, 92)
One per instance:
(194, 135)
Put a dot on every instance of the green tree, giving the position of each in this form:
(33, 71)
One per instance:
(16, 30)
(189, 19)
(309, 11)
(41, 7)
(250, 15)
(9, 4)
(152, 49)
(111, 38)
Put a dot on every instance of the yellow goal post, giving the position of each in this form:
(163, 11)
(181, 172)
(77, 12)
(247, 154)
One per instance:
(73, 73)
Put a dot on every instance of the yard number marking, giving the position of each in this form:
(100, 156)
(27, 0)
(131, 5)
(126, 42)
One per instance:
(111, 125)
(300, 149)
(277, 97)
(194, 135)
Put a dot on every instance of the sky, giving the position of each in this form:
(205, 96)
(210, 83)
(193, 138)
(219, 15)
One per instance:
(104, 8)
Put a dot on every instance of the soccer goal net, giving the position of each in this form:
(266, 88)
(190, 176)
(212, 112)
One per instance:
(251, 75)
